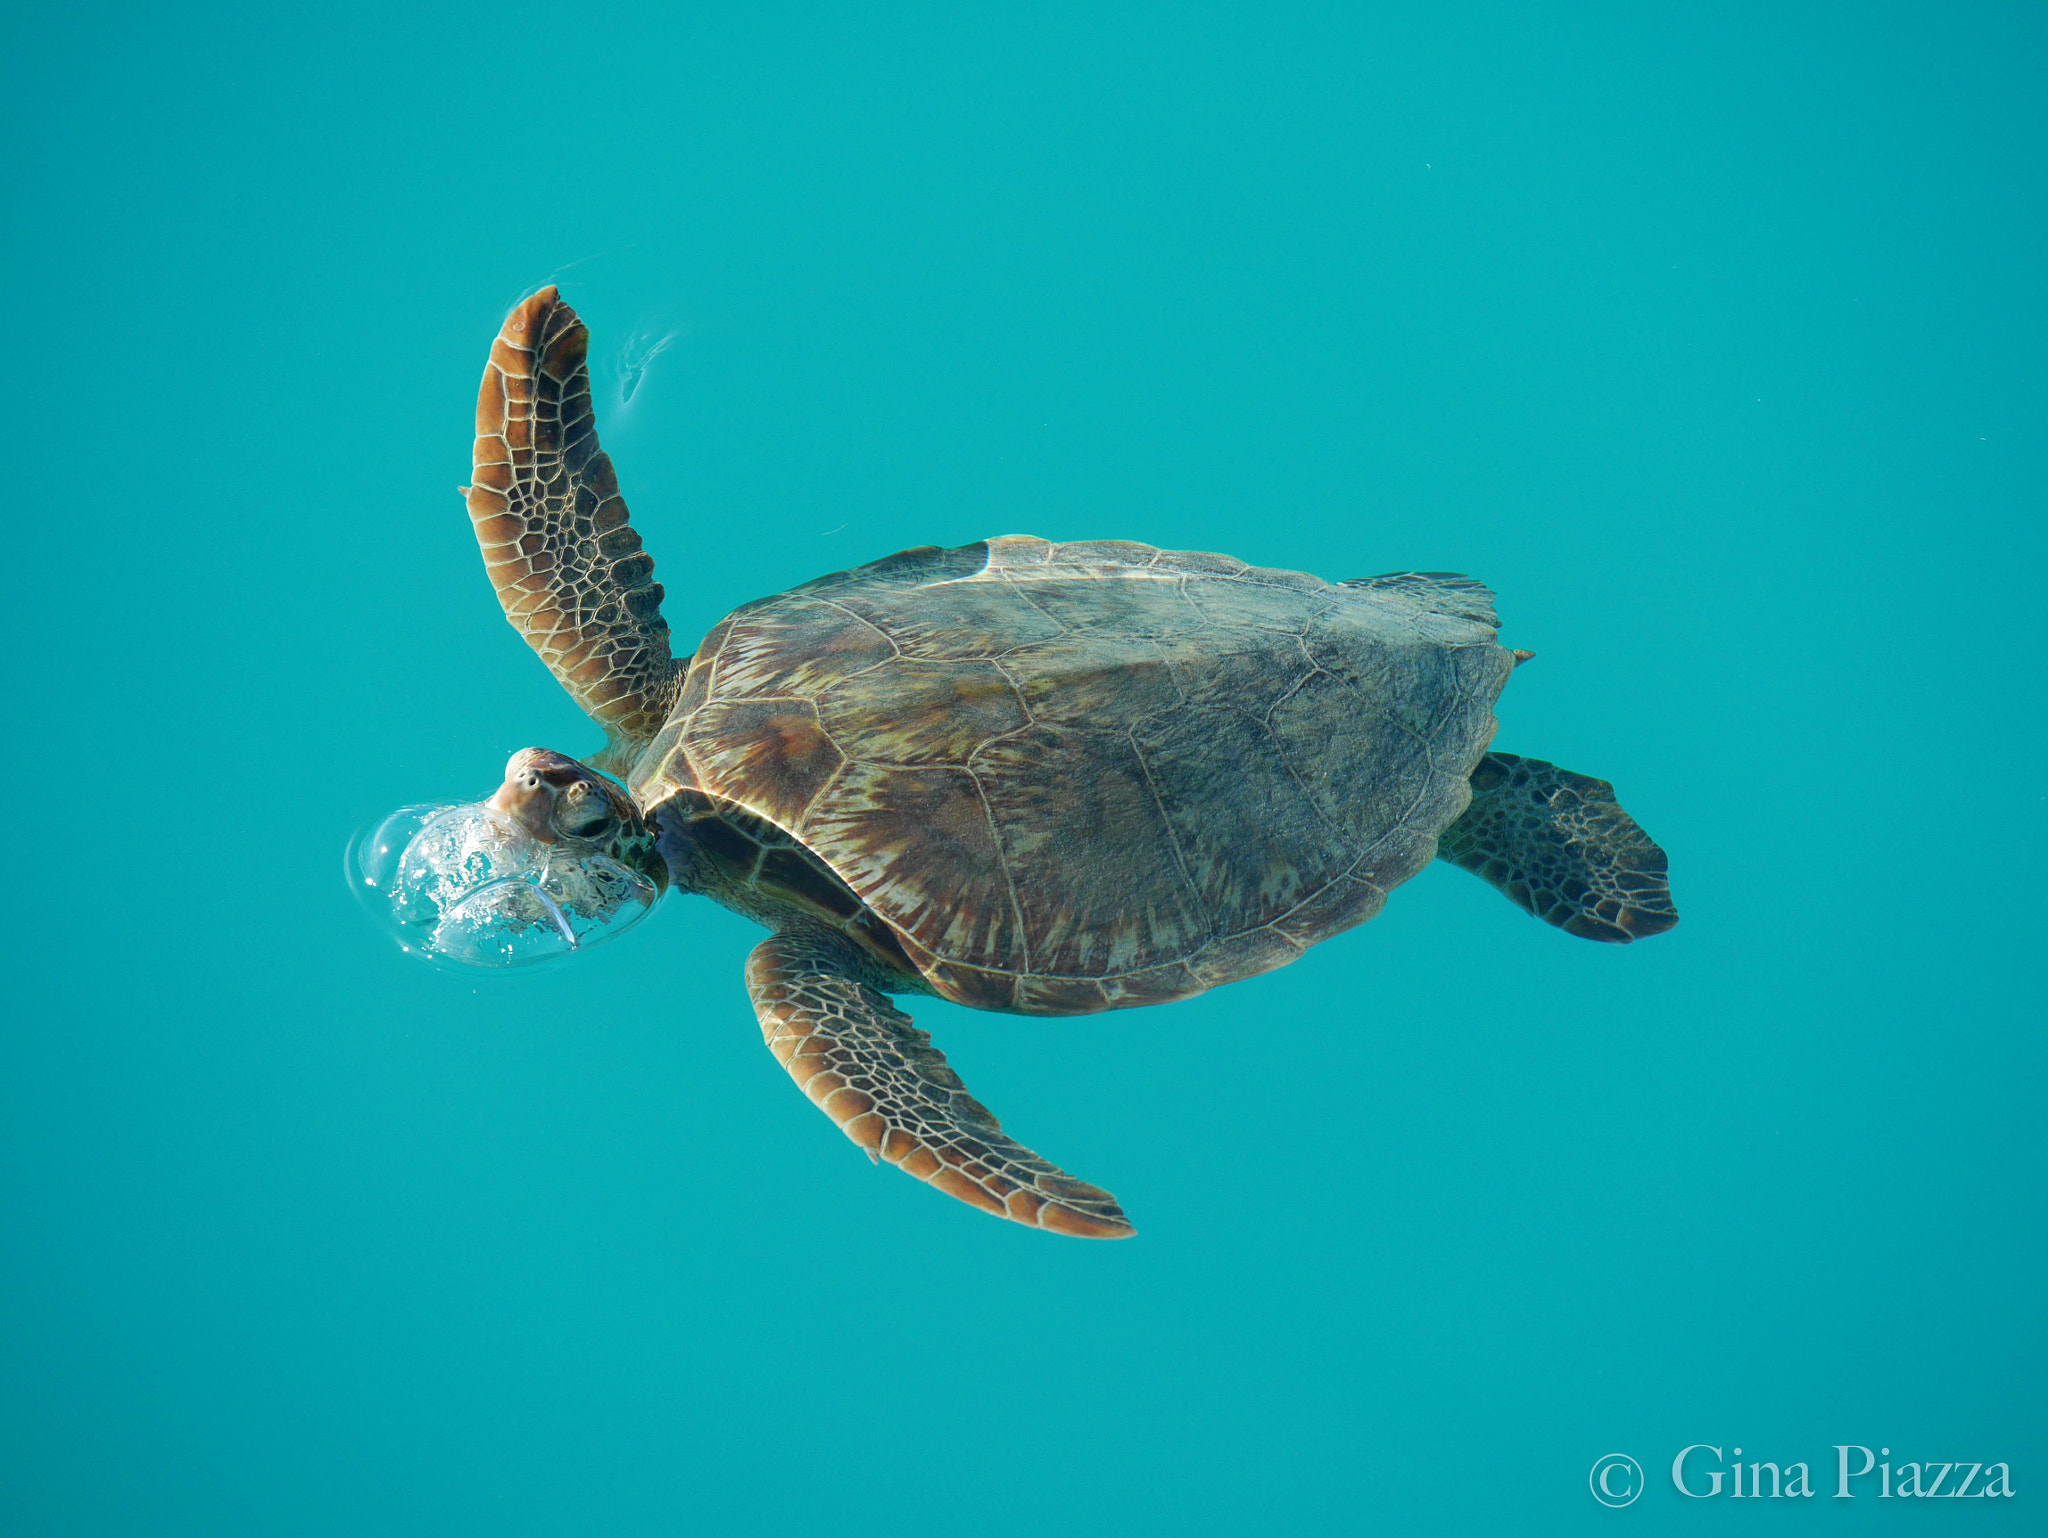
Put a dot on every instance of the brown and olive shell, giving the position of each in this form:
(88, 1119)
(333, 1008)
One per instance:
(1075, 777)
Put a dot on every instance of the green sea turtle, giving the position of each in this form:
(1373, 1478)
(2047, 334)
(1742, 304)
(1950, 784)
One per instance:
(1022, 775)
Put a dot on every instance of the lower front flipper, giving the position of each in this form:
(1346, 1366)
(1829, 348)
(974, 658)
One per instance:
(878, 1076)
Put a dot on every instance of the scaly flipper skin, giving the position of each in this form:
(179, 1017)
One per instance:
(566, 563)
(1602, 880)
(878, 1076)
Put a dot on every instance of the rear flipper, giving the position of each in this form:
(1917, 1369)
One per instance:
(1558, 844)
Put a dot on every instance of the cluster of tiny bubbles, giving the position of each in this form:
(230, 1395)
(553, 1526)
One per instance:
(458, 882)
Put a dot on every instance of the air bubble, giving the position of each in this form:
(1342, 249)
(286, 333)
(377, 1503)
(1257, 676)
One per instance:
(458, 882)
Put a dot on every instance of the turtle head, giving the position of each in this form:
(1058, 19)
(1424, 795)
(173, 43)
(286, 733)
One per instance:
(557, 860)
(578, 813)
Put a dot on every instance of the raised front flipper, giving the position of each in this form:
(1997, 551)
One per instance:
(878, 1076)
(1560, 845)
(567, 565)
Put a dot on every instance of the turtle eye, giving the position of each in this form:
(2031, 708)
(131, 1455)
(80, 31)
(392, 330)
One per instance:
(581, 819)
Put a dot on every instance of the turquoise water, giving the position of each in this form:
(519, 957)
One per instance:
(1711, 340)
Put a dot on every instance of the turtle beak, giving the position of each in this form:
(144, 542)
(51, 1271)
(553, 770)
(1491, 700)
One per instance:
(526, 798)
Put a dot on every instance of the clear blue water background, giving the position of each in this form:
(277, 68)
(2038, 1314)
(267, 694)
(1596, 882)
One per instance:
(1711, 337)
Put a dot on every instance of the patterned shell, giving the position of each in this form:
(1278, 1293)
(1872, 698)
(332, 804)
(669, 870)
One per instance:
(1085, 776)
